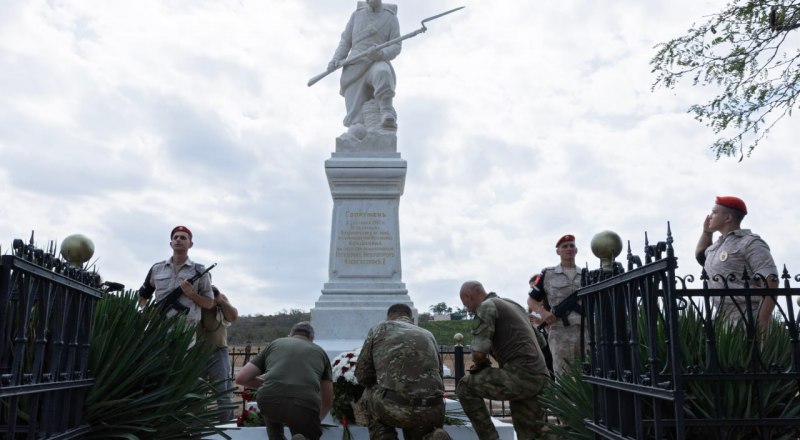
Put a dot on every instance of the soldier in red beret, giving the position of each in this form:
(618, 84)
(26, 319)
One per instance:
(553, 285)
(164, 276)
(735, 251)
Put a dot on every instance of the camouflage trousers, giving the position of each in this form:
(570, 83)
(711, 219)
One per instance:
(519, 387)
(417, 422)
(565, 345)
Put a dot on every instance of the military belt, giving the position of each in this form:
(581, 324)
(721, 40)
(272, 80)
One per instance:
(397, 398)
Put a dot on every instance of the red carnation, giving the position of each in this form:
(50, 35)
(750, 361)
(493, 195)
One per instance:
(349, 355)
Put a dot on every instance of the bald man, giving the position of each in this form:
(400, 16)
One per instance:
(501, 328)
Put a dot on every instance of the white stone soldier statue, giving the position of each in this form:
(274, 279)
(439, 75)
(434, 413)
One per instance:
(372, 77)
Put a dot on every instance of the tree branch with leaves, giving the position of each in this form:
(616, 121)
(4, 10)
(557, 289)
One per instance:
(742, 51)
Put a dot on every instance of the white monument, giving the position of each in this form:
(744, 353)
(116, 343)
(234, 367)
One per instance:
(366, 176)
(364, 273)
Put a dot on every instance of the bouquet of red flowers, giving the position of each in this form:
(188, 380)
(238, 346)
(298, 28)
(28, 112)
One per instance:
(250, 416)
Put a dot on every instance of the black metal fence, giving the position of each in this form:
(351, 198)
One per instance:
(45, 314)
(664, 364)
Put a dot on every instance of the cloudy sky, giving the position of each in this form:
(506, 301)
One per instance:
(520, 122)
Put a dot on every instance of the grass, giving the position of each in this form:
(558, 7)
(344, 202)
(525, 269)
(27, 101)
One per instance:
(443, 331)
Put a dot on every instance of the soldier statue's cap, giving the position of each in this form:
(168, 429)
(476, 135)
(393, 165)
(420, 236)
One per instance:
(732, 203)
(568, 237)
(303, 327)
(180, 229)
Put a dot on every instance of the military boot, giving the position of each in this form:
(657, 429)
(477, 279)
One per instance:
(440, 434)
(475, 409)
(388, 114)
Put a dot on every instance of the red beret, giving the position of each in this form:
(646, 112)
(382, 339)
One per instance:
(732, 203)
(180, 229)
(568, 237)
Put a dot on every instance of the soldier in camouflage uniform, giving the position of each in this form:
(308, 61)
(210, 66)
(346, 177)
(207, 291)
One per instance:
(501, 328)
(400, 367)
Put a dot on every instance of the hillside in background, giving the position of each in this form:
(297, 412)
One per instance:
(443, 331)
(260, 329)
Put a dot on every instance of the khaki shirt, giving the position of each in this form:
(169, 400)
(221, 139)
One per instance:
(165, 279)
(212, 328)
(558, 286)
(735, 252)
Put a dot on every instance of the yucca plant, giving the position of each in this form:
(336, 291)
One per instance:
(146, 373)
(738, 399)
(570, 399)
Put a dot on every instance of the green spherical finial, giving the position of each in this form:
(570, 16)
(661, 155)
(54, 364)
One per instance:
(77, 249)
(606, 245)
(457, 338)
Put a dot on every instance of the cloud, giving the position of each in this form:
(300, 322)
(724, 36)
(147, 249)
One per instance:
(519, 122)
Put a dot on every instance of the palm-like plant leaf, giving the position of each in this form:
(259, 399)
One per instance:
(570, 399)
(146, 373)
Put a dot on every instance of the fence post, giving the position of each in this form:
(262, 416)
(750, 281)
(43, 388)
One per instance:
(246, 353)
(458, 357)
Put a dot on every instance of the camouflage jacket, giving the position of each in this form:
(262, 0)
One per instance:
(399, 356)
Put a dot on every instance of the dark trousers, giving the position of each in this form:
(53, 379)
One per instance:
(280, 412)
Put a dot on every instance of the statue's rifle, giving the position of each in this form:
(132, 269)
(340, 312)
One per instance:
(355, 58)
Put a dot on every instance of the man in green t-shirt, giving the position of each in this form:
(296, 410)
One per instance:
(297, 390)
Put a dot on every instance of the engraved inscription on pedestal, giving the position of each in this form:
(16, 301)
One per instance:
(366, 243)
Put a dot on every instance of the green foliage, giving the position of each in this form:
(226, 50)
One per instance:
(740, 52)
(570, 399)
(261, 329)
(739, 399)
(146, 375)
(441, 308)
(443, 331)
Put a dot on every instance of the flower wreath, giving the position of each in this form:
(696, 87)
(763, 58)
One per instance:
(346, 389)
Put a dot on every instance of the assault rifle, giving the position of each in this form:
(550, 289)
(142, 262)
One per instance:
(171, 300)
(568, 305)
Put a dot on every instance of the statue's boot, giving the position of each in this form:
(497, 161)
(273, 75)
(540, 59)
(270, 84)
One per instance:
(388, 114)
(440, 434)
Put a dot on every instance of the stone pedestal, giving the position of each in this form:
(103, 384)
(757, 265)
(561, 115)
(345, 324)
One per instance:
(364, 275)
